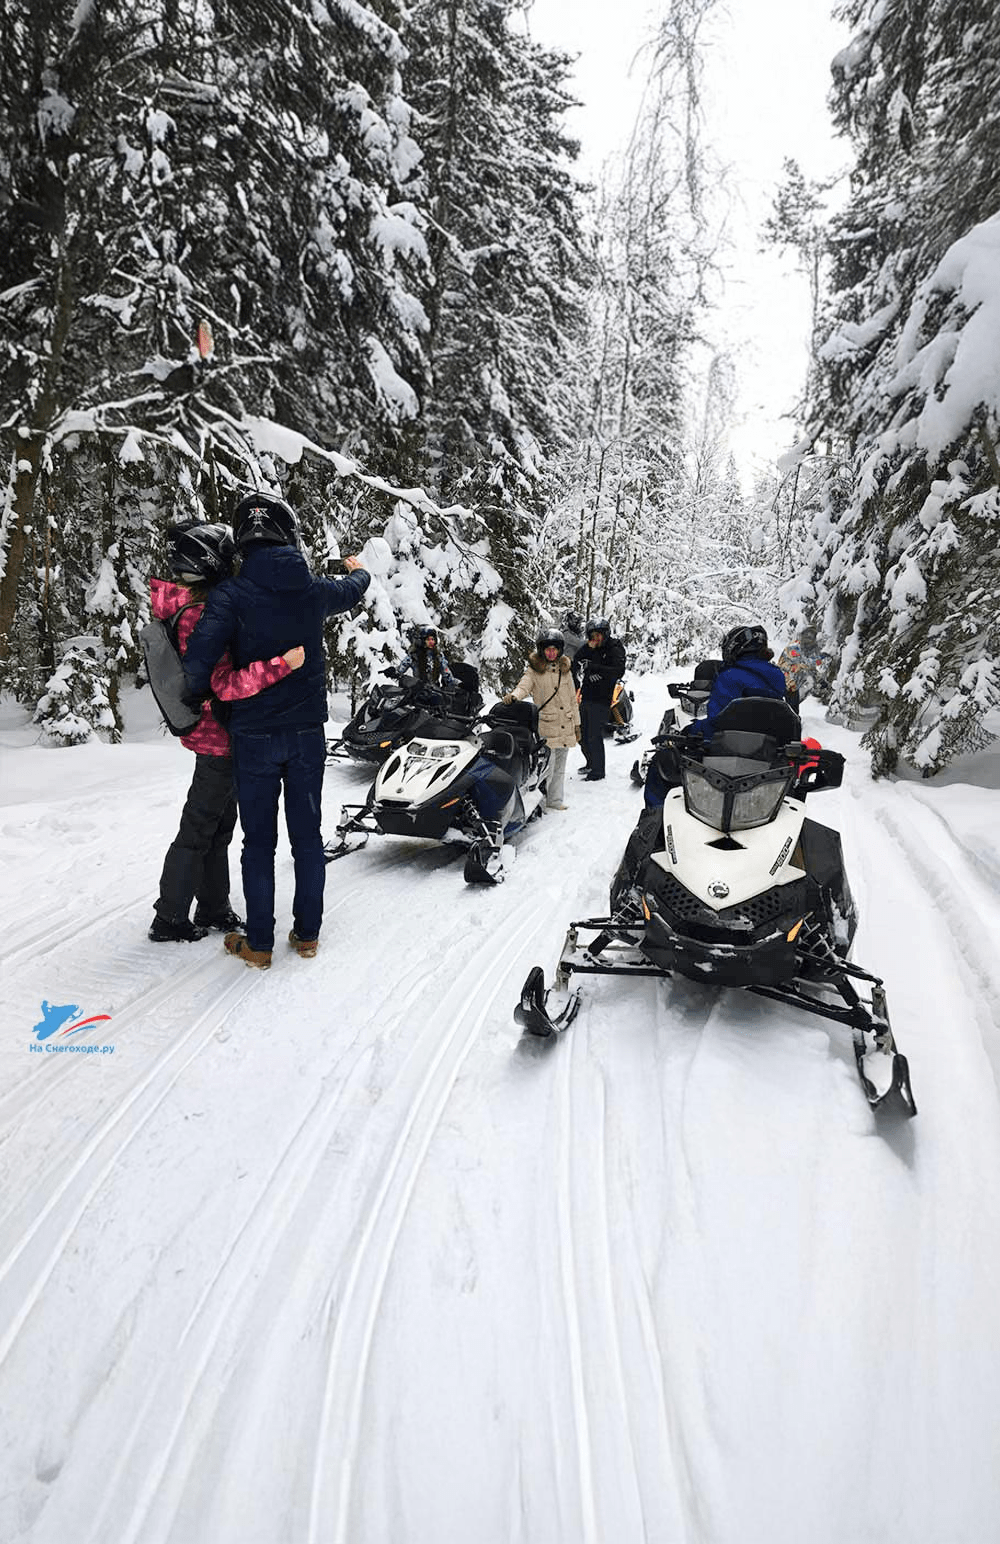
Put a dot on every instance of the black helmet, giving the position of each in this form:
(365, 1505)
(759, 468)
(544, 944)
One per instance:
(549, 637)
(198, 552)
(419, 634)
(261, 517)
(573, 622)
(743, 640)
(599, 625)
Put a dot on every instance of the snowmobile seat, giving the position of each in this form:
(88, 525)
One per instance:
(707, 671)
(465, 701)
(507, 754)
(519, 718)
(762, 715)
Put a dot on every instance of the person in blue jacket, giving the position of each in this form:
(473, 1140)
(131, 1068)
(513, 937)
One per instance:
(746, 671)
(278, 740)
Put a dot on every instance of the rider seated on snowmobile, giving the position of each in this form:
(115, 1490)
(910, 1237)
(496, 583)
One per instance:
(425, 661)
(746, 671)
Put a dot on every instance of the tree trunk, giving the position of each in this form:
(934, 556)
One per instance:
(29, 455)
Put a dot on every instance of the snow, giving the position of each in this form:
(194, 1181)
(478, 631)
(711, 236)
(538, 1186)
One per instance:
(331, 1254)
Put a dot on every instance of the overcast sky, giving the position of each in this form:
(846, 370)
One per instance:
(769, 74)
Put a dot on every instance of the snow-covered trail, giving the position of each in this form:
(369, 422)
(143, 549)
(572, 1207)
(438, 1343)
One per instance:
(331, 1255)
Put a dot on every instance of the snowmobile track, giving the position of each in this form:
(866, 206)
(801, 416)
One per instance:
(354, 1314)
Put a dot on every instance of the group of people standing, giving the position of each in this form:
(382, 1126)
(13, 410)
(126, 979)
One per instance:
(253, 656)
(573, 695)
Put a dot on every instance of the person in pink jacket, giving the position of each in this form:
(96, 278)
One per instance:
(196, 867)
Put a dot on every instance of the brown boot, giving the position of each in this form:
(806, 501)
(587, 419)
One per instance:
(305, 948)
(237, 944)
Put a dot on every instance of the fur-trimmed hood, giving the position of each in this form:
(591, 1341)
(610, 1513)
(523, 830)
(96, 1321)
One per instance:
(540, 665)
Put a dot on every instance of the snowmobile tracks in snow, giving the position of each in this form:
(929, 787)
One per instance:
(445, 1042)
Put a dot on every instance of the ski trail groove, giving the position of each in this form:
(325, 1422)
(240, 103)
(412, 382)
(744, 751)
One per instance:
(571, 1309)
(607, 1290)
(258, 1245)
(40, 944)
(340, 1413)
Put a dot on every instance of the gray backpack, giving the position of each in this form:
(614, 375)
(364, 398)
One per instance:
(162, 656)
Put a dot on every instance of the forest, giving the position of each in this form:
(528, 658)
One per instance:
(341, 250)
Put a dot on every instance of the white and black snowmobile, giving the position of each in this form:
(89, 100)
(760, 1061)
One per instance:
(621, 715)
(476, 788)
(730, 884)
(395, 711)
(690, 702)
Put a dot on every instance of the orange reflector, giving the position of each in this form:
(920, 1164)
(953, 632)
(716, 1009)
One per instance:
(645, 909)
(449, 802)
(383, 743)
(795, 929)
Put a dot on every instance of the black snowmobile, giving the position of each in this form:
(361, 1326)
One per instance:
(397, 710)
(691, 699)
(474, 785)
(730, 884)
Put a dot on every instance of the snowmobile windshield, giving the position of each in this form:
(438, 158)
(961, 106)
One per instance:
(734, 793)
(694, 700)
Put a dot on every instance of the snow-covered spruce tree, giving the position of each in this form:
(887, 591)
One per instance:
(177, 169)
(506, 249)
(650, 522)
(908, 384)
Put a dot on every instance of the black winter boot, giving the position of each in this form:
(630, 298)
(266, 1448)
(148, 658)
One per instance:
(171, 930)
(227, 921)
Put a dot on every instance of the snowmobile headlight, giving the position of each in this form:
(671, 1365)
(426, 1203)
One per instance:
(734, 793)
(758, 805)
(419, 750)
(703, 798)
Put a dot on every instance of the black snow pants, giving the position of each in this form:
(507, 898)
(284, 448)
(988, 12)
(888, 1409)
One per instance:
(593, 722)
(197, 863)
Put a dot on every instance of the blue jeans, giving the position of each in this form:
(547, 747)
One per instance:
(263, 763)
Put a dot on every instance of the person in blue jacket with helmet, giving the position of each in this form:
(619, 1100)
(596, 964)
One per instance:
(746, 671)
(277, 737)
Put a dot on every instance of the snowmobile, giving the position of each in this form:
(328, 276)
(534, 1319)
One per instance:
(451, 783)
(621, 715)
(691, 698)
(395, 711)
(732, 885)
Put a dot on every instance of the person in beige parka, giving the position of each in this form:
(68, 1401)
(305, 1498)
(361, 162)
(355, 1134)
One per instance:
(548, 681)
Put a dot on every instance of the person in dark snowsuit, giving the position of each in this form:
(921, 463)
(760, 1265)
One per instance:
(196, 866)
(278, 740)
(597, 667)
